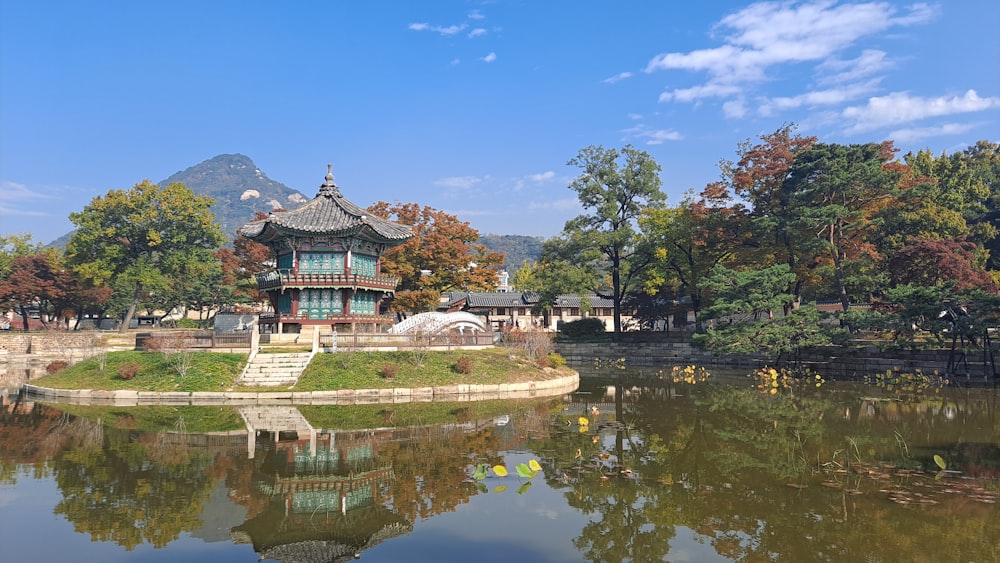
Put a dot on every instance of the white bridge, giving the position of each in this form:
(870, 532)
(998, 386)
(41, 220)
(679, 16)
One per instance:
(436, 323)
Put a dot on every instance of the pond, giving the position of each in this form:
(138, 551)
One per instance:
(622, 470)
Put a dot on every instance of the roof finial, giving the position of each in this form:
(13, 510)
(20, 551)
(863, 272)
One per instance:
(329, 187)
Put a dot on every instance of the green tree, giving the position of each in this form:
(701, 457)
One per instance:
(835, 193)
(140, 238)
(747, 306)
(614, 188)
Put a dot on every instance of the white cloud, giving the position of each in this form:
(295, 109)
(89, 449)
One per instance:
(817, 98)
(698, 92)
(917, 133)
(652, 136)
(489, 58)
(900, 107)
(476, 15)
(542, 177)
(766, 34)
(734, 108)
(446, 31)
(566, 204)
(459, 182)
(477, 32)
(871, 61)
(617, 77)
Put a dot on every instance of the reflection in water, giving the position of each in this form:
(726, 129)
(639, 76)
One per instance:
(630, 473)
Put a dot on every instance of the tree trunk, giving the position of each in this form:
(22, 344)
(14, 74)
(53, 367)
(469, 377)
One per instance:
(131, 308)
(24, 317)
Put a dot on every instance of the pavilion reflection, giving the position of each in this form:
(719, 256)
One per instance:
(324, 489)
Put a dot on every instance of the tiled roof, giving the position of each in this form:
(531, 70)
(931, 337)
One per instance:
(329, 213)
(489, 300)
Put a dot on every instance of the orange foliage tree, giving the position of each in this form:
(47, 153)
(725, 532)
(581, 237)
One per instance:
(442, 256)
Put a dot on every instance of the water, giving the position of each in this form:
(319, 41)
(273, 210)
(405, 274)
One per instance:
(660, 471)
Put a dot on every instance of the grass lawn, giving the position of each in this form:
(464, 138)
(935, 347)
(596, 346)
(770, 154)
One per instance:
(215, 371)
(363, 370)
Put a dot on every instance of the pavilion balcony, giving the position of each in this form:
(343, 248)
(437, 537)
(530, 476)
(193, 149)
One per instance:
(288, 279)
(333, 318)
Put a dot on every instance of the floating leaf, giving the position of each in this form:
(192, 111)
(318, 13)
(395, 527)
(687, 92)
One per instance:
(524, 471)
(534, 465)
(500, 489)
(481, 487)
(940, 461)
(524, 488)
(584, 421)
(500, 470)
(481, 470)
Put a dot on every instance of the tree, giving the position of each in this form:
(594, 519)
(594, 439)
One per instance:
(746, 306)
(614, 188)
(758, 178)
(689, 240)
(835, 191)
(930, 262)
(442, 256)
(35, 280)
(142, 237)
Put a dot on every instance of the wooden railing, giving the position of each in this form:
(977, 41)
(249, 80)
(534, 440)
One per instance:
(285, 278)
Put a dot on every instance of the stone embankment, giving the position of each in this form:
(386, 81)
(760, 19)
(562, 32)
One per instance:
(550, 387)
(838, 362)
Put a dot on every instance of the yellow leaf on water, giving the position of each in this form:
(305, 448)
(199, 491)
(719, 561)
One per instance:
(940, 461)
(584, 421)
(534, 465)
(500, 470)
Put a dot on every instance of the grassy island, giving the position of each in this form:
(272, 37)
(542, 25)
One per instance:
(215, 371)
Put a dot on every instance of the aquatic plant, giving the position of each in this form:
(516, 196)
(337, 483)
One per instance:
(770, 380)
(689, 374)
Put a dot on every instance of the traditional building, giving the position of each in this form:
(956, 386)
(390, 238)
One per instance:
(328, 257)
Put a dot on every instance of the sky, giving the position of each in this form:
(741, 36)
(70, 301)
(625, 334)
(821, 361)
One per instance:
(470, 107)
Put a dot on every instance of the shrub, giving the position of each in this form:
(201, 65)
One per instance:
(389, 371)
(555, 360)
(56, 366)
(542, 361)
(582, 327)
(464, 365)
(128, 370)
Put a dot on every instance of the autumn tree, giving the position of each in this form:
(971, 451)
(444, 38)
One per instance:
(691, 239)
(36, 280)
(930, 262)
(614, 188)
(758, 178)
(140, 238)
(443, 255)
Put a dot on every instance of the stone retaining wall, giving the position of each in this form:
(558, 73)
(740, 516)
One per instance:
(50, 343)
(832, 361)
(457, 393)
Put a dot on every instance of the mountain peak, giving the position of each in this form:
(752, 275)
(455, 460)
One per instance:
(239, 188)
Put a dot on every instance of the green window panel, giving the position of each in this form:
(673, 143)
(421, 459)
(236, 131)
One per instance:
(364, 303)
(321, 262)
(363, 264)
(319, 304)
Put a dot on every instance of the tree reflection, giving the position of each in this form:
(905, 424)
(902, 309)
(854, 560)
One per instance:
(121, 490)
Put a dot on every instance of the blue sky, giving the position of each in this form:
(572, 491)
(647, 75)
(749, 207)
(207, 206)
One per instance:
(471, 107)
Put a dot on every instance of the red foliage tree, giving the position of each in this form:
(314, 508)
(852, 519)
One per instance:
(928, 262)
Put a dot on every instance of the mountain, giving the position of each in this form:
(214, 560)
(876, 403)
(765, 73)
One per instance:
(518, 248)
(239, 188)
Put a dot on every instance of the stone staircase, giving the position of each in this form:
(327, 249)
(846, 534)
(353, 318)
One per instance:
(272, 370)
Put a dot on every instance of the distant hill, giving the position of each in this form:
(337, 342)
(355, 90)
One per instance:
(239, 188)
(518, 248)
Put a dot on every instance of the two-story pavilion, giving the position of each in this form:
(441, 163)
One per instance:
(328, 257)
